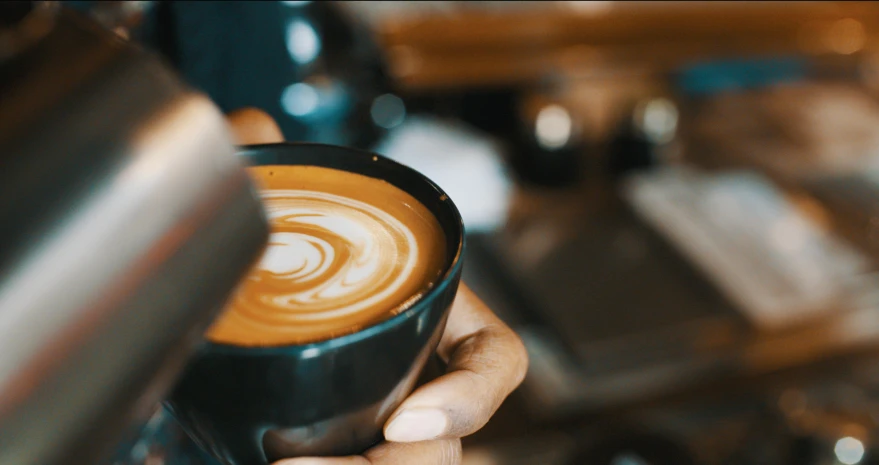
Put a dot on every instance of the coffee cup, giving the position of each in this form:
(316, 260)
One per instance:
(254, 404)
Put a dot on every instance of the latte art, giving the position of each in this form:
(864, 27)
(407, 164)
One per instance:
(345, 251)
(337, 255)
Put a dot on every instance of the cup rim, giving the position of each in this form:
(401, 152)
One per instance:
(450, 270)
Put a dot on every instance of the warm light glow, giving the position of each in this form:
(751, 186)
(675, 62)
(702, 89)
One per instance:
(846, 36)
(553, 127)
(590, 7)
(658, 119)
(849, 451)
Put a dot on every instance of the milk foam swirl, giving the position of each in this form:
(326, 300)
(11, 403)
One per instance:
(333, 254)
(345, 252)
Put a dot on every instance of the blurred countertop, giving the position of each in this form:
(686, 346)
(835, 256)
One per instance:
(436, 45)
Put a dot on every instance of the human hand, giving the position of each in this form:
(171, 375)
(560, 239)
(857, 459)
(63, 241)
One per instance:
(485, 362)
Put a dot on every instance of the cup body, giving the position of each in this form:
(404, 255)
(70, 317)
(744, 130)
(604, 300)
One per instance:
(251, 406)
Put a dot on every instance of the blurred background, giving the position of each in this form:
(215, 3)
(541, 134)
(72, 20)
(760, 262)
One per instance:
(675, 204)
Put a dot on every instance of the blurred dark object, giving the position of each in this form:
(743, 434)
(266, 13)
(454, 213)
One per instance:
(13, 13)
(119, 186)
(314, 68)
(539, 165)
(548, 147)
(629, 151)
(125, 18)
(120, 17)
(23, 25)
(829, 422)
(824, 415)
(634, 448)
(493, 110)
(161, 441)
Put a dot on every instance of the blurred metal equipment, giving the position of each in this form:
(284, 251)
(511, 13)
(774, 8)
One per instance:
(547, 147)
(126, 220)
(341, 91)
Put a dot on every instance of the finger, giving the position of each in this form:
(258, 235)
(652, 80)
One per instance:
(486, 361)
(252, 126)
(440, 452)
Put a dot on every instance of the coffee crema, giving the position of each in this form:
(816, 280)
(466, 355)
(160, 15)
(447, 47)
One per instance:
(346, 251)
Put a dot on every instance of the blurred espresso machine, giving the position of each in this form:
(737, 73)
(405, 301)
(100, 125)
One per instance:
(126, 220)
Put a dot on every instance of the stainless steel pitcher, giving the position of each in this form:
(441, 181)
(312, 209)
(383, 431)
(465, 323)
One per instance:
(126, 220)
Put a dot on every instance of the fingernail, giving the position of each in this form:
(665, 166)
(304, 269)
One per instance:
(417, 425)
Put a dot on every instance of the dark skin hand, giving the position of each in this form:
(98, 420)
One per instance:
(486, 361)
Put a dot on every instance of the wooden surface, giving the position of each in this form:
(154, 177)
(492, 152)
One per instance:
(471, 46)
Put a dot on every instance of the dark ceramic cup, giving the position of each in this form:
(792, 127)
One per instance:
(251, 406)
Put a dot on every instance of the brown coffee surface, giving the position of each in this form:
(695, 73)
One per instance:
(346, 251)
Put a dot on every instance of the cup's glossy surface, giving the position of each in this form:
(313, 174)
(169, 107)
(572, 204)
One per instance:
(250, 406)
